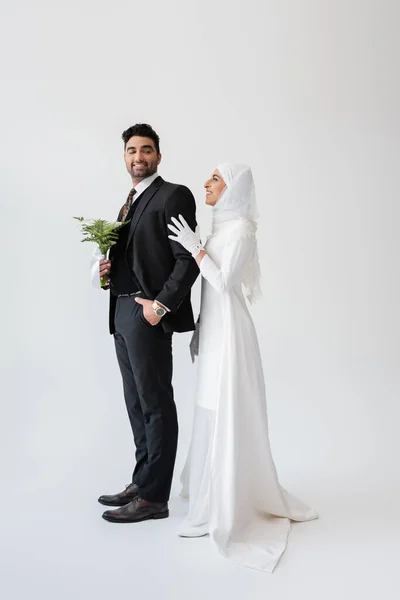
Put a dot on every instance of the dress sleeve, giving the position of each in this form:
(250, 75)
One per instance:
(234, 259)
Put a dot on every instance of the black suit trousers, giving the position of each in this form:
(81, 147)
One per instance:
(144, 355)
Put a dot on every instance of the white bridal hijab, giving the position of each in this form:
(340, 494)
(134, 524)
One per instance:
(238, 201)
(239, 197)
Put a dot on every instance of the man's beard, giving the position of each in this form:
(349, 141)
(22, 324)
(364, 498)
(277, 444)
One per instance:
(143, 172)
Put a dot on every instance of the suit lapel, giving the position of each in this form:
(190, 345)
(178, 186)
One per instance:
(147, 196)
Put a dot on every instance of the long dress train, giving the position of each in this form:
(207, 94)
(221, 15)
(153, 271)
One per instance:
(230, 476)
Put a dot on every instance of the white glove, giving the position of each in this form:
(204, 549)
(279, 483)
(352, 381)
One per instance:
(189, 239)
(194, 343)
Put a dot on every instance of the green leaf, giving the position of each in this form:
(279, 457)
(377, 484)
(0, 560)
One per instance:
(101, 232)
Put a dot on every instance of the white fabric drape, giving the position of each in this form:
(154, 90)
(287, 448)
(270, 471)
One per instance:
(230, 476)
(94, 267)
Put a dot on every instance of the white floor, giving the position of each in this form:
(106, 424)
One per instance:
(55, 546)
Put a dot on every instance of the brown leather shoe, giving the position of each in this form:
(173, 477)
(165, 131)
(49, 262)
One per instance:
(137, 510)
(130, 492)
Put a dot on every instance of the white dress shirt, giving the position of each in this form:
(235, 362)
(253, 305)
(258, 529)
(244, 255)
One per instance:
(143, 185)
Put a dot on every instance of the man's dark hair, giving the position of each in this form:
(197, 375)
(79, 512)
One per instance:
(143, 130)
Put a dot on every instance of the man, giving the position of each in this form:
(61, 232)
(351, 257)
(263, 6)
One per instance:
(150, 278)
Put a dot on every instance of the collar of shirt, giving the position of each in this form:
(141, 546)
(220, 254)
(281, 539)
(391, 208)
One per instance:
(144, 184)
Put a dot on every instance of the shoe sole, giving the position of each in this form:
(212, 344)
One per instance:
(162, 515)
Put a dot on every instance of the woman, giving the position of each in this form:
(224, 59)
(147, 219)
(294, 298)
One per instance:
(234, 493)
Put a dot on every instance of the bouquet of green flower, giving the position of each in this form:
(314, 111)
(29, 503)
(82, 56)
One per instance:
(103, 233)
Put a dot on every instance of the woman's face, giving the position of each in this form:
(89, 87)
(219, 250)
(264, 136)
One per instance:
(214, 188)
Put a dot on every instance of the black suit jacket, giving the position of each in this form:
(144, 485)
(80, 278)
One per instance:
(164, 269)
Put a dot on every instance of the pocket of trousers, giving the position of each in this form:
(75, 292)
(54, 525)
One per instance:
(143, 319)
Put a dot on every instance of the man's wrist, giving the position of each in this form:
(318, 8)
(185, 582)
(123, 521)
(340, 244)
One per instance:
(162, 304)
(159, 309)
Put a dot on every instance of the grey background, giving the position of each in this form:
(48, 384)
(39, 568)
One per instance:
(305, 91)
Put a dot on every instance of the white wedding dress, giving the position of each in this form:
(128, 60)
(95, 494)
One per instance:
(230, 476)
